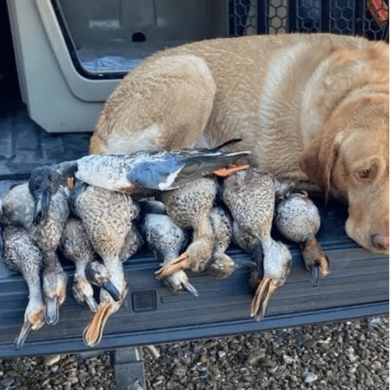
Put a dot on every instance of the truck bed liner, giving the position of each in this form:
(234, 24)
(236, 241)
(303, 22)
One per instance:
(358, 285)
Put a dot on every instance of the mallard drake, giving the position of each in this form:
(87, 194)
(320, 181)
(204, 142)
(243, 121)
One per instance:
(250, 197)
(297, 218)
(20, 253)
(190, 207)
(143, 170)
(166, 240)
(18, 209)
(107, 219)
(222, 265)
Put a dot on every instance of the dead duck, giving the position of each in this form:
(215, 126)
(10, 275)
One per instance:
(18, 209)
(166, 241)
(20, 253)
(108, 304)
(297, 218)
(222, 265)
(144, 170)
(190, 207)
(250, 197)
(107, 219)
(76, 247)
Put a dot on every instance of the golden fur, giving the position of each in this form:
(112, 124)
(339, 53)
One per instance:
(310, 107)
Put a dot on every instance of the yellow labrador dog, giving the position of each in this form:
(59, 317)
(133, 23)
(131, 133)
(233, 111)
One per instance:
(310, 107)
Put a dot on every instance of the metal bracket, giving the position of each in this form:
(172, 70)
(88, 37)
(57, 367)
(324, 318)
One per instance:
(128, 367)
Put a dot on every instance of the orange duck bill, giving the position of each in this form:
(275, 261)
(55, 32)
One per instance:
(175, 265)
(94, 331)
(261, 298)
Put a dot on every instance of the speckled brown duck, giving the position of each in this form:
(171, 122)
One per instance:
(166, 241)
(222, 265)
(76, 247)
(298, 219)
(250, 197)
(107, 219)
(20, 253)
(18, 209)
(190, 207)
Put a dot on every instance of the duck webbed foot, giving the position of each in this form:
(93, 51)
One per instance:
(315, 260)
(94, 331)
(230, 170)
(175, 265)
(107, 307)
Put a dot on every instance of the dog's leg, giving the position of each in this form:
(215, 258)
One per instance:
(165, 103)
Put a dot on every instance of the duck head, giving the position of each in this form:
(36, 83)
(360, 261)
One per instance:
(34, 319)
(196, 258)
(43, 183)
(98, 275)
(54, 289)
(83, 293)
(276, 266)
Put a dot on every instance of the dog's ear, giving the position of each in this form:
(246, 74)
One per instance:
(319, 158)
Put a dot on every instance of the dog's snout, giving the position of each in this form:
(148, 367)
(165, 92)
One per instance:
(380, 241)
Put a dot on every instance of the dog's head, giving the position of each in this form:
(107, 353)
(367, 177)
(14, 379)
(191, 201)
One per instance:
(350, 157)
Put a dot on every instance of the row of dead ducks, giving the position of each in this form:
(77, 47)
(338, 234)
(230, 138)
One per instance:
(91, 219)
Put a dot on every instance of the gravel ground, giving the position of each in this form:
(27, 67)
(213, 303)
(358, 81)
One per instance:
(353, 355)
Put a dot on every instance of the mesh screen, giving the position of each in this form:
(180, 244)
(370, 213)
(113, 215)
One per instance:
(249, 17)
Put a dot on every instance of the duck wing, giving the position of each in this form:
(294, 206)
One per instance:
(178, 168)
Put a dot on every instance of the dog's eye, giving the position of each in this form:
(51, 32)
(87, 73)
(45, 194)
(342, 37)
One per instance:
(364, 174)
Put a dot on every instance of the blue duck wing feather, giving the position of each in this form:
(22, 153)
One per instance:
(154, 174)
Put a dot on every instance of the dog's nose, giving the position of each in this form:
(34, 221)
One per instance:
(380, 241)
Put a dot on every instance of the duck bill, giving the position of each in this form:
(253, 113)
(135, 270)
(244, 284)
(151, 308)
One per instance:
(190, 288)
(91, 303)
(52, 310)
(41, 208)
(261, 298)
(314, 275)
(112, 290)
(22, 336)
(173, 266)
(232, 169)
(315, 260)
(94, 331)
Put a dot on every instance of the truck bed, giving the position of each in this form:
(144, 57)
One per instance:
(358, 285)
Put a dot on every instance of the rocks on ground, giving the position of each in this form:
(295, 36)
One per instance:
(353, 355)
